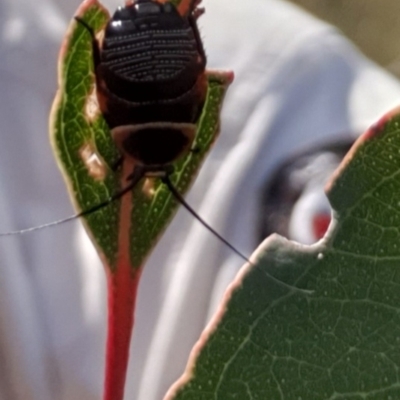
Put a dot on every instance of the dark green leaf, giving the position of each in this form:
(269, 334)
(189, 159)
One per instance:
(321, 321)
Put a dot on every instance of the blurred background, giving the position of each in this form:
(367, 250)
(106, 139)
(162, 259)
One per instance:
(374, 26)
(52, 318)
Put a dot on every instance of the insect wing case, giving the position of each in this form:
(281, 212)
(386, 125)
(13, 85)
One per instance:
(152, 66)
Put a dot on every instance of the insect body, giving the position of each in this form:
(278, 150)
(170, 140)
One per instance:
(151, 82)
(151, 87)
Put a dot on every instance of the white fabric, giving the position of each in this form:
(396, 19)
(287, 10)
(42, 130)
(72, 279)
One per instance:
(298, 83)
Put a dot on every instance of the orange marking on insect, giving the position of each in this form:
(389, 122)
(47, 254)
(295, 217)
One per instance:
(185, 7)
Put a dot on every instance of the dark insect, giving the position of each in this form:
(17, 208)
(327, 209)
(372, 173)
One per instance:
(151, 87)
(151, 82)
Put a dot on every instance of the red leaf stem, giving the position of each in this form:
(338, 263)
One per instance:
(123, 283)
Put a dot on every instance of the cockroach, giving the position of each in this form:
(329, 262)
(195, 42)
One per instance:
(150, 82)
(151, 87)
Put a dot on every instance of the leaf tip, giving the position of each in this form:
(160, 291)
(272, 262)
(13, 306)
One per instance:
(373, 132)
(225, 77)
(378, 127)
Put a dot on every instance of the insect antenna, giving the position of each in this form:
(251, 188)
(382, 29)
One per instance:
(91, 210)
(182, 201)
(136, 177)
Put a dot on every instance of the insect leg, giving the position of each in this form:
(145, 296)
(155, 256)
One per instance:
(193, 24)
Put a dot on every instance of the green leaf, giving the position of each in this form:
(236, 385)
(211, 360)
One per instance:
(320, 321)
(86, 152)
(125, 231)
